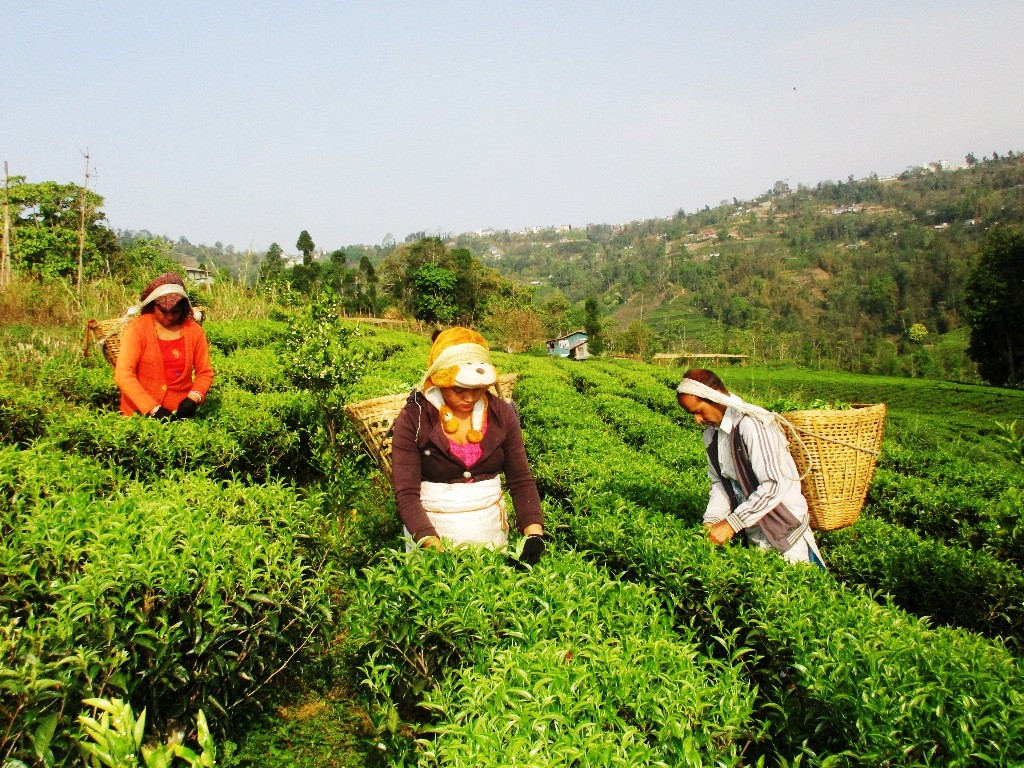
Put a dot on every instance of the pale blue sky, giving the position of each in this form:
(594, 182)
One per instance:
(246, 123)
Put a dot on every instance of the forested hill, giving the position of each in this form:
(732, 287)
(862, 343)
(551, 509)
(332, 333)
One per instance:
(843, 269)
(864, 275)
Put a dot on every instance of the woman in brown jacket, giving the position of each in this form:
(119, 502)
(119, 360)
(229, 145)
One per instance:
(452, 443)
(163, 367)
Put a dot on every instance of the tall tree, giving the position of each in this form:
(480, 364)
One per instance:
(45, 226)
(592, 325)
(272, 265)
(306, 246)
(994, 297)
(433, 297)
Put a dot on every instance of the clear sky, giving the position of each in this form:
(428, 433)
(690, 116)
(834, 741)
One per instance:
(247, 122)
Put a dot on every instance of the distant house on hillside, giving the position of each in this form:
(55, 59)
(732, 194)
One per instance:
(199, 276)
(573, 346)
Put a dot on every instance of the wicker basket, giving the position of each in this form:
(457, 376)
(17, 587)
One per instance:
(374, 418)
(836, 452)
(107, 333)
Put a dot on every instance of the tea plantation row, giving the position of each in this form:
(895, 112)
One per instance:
(203, 564)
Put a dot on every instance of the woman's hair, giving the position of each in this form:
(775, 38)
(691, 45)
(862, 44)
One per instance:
(707, 378)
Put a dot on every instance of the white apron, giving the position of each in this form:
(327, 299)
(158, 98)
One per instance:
(465, 513)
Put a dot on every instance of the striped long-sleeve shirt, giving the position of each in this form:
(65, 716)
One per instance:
(777, 475)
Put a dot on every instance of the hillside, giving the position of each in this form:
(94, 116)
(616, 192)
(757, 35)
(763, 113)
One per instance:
(844, 268)
(863, 275)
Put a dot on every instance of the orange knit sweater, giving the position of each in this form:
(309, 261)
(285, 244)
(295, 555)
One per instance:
(139, 373)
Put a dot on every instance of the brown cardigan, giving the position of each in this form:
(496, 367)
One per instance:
(139, 372)
(421, 451)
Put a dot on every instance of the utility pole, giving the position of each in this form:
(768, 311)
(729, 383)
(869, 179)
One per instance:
(5, 259)
(81, 228)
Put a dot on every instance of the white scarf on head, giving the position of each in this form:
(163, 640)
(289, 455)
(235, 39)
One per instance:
(169, 289)
(457, 354)
(695, 388)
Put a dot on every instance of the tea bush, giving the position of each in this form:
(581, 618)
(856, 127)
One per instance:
(227, 336)
(89, 385)
(851, 677)
(272, 431)
(818, 643)
(33, 475)
(951, 585)
(251, 369)
(22, 414)
(143, 448)
(656, 435)
(631, 700)
(177, 595)
(490, 665)
(947, 497)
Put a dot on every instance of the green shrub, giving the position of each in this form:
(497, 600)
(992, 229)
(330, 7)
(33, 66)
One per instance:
(141, 447)
(632, 700)
(230, 335)
(22, 414)
(257, 370)
(851, 677)
(271, 430)
(88, 383)
(487, 663)
(951, 585)
(115, 740)
(179, 595)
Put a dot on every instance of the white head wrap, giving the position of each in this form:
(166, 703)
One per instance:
(168, 289)
(474, 361)
(695, 388)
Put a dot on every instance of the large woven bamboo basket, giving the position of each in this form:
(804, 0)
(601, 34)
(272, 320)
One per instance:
(106, 334)
(836, 452)
(373, 419)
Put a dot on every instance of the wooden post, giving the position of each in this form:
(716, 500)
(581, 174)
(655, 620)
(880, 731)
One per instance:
(5, 259)
(81, 228)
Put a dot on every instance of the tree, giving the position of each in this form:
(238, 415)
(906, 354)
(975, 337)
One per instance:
(334, 273)
(638, 339)
(556, 311)
(433, 294)
(45, 227)
(272, 265)
(138, 260)
(366, 287)
(513, 328)
(994, 298)
(306, 245)
(592, 325)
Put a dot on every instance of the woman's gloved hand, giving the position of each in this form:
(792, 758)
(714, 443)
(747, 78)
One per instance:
(186, 408)
(162, 413)
(533, 548)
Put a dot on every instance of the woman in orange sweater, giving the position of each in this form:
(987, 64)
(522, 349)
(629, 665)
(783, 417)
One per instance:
(163, 367)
